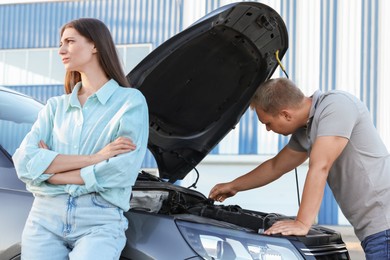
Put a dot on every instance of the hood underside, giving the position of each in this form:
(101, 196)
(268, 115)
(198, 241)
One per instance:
(199, 83)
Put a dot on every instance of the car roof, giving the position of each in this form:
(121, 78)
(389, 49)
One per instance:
(10, 109)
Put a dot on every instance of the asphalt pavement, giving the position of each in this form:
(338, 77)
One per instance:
(352, 242)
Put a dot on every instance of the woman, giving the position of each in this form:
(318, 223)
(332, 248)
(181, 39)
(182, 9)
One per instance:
(83, 154)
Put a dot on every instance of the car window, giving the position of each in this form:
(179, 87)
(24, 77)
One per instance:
(17, 115)
(12, 134)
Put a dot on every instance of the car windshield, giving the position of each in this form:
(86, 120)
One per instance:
(17, 115)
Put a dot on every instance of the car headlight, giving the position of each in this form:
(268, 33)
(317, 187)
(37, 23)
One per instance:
(212, 242)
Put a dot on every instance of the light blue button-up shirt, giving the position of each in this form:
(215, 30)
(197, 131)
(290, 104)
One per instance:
(69, 128)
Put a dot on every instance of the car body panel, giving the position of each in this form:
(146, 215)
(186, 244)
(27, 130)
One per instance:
(147, 229)
(15, 207)
(17, 114)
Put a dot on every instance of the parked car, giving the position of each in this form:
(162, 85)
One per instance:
(17, 114)
(197, 84)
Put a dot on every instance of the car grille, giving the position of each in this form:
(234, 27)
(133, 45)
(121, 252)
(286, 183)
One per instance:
(333, 251)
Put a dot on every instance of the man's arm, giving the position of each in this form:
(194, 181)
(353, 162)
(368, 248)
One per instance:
(325, 151)
(272, 169)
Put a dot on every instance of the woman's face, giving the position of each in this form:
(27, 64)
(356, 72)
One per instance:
(77, 53)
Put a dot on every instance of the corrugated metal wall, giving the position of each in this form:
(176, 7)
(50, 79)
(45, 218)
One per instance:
(136, 21)
(37, 26)
(333, 45)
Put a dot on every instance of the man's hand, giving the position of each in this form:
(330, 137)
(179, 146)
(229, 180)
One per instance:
(288, 228)
(222, 191)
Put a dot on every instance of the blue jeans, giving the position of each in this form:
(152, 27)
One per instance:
(66, 227)
(377, 246)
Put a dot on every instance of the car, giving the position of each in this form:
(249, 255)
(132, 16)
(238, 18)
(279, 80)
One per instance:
(197, 85)
(18, 112)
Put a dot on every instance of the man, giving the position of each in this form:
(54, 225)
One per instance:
(334, 130)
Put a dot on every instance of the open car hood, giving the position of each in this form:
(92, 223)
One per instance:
(199, 83)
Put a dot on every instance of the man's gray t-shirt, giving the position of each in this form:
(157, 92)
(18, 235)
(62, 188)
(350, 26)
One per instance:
(360, 177)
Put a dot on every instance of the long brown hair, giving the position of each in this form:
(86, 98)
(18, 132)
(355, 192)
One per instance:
(98, 33)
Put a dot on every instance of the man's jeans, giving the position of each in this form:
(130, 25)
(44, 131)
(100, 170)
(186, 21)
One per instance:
(377, 246)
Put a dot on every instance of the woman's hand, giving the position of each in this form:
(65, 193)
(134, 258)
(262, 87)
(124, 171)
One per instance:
(118, 146)
(43, 145)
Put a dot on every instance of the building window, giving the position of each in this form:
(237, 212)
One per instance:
(43, 66)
